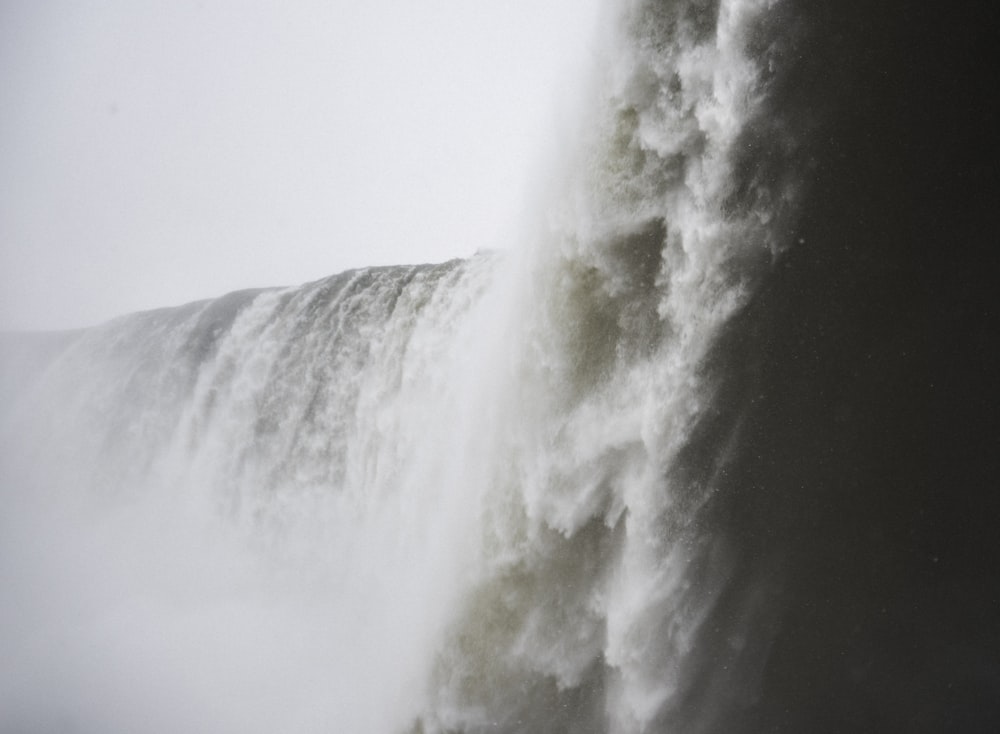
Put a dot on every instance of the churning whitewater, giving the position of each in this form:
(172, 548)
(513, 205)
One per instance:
(463, 497)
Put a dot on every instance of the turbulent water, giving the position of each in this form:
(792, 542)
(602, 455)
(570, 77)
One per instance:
(665, 466)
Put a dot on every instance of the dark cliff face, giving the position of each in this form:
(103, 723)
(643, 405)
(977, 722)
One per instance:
(863, 495)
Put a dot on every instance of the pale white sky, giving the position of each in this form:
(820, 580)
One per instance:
(157, 152)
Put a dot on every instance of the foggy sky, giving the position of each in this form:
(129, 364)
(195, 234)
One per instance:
(153, 153)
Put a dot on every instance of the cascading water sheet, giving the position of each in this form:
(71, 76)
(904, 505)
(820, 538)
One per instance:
(598, 574)
(263, 498)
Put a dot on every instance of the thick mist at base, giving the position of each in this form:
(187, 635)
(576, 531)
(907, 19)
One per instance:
(665, 466)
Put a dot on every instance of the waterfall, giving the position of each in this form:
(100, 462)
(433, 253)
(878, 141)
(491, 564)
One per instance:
(431, 498)
(557, 488)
